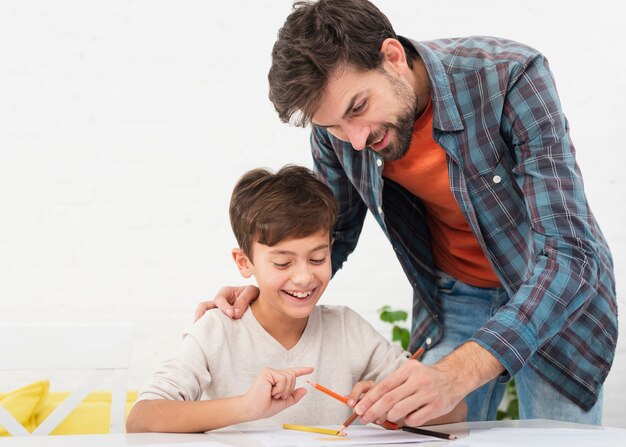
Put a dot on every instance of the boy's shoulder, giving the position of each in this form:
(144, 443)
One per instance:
(347, 324)
(213, 320)
(212, 315)
(333, 313)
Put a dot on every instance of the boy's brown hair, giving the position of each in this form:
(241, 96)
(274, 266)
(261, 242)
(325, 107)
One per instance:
(268, 208)
(316, 38)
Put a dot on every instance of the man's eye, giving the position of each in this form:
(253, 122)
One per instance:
(360, 107)
(281, 266)
(318, 261)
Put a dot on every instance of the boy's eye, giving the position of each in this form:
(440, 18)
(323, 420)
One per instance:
(281, 266)
(318, 261)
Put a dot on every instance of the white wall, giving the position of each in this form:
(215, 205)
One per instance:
(124, 125)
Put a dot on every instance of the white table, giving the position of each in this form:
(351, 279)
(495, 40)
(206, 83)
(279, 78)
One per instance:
(469, 433)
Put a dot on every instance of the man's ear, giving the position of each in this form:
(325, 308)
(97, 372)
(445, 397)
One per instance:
(394, 55)
(242, 262)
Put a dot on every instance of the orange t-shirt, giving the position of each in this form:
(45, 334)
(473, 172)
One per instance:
(424, 172)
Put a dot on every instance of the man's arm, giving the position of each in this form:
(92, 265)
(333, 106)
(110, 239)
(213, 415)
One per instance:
(569, 255)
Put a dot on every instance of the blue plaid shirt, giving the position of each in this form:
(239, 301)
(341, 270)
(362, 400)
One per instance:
(513, 173)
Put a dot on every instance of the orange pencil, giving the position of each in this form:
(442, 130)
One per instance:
(417, 354)
(347, 422)
(331, 393)
(387, 424)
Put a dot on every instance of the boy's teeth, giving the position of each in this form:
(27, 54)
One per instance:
(300, 294)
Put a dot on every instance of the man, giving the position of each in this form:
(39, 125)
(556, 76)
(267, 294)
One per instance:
(461, 151)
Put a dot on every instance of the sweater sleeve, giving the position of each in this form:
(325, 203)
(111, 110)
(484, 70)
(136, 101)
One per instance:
(186, 374)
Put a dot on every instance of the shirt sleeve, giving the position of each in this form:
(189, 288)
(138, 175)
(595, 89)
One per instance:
(352, 209)
(182, 377)
(566, 266)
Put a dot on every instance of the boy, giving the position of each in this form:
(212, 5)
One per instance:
(248, 368)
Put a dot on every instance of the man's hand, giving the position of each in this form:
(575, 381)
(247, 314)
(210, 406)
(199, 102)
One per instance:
(359, 390)
(418, 393)
(273, 391)
(232, 301)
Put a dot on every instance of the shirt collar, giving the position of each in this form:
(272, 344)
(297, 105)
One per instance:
(445, 113)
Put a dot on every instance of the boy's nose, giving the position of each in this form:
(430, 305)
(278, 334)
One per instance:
(302, 276)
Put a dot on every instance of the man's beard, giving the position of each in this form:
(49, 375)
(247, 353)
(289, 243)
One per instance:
(403, 127)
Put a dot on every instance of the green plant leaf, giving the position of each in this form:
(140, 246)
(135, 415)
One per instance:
(391, 316)
(511, 389)
(513, 409)
(402, 335)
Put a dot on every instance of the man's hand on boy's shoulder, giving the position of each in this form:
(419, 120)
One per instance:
(232, 301)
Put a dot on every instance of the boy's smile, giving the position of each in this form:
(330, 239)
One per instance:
(291, 275)
(300, 295)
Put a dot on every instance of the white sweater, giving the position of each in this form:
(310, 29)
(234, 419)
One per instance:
(220, 357)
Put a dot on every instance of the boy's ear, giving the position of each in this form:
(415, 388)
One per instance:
(242, 262)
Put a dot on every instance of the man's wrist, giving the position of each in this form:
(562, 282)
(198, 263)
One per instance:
(469, 367)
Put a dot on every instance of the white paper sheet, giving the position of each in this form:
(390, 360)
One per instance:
(357, 435)
(546, 437)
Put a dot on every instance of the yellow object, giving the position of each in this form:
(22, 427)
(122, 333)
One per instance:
(24, 403)
(31, 405)
(92, 416)
(324, 431)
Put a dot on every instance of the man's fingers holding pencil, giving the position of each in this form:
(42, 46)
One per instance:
(380, 399)
(415, 391)
(358, 390)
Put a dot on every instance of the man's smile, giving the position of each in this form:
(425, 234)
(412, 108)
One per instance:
(382, 142)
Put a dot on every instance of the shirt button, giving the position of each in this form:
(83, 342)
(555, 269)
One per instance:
(429, 341)
(380, 210)
(379, 162)
(497, 179)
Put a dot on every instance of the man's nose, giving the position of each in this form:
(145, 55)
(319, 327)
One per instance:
(357, 135)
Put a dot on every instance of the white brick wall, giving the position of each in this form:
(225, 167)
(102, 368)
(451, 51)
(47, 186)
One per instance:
(124, 125)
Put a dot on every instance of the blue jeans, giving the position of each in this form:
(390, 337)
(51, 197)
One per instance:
(465, 309)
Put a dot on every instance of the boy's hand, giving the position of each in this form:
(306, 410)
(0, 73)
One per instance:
(273, 391)
(232, 301)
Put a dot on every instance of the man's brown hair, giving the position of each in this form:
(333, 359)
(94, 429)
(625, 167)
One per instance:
(316, 38)
(268, 208)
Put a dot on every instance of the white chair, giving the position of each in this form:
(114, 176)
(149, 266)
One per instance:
(105, 349)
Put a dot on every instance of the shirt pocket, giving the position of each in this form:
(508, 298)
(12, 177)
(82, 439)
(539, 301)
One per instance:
(497, 199)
